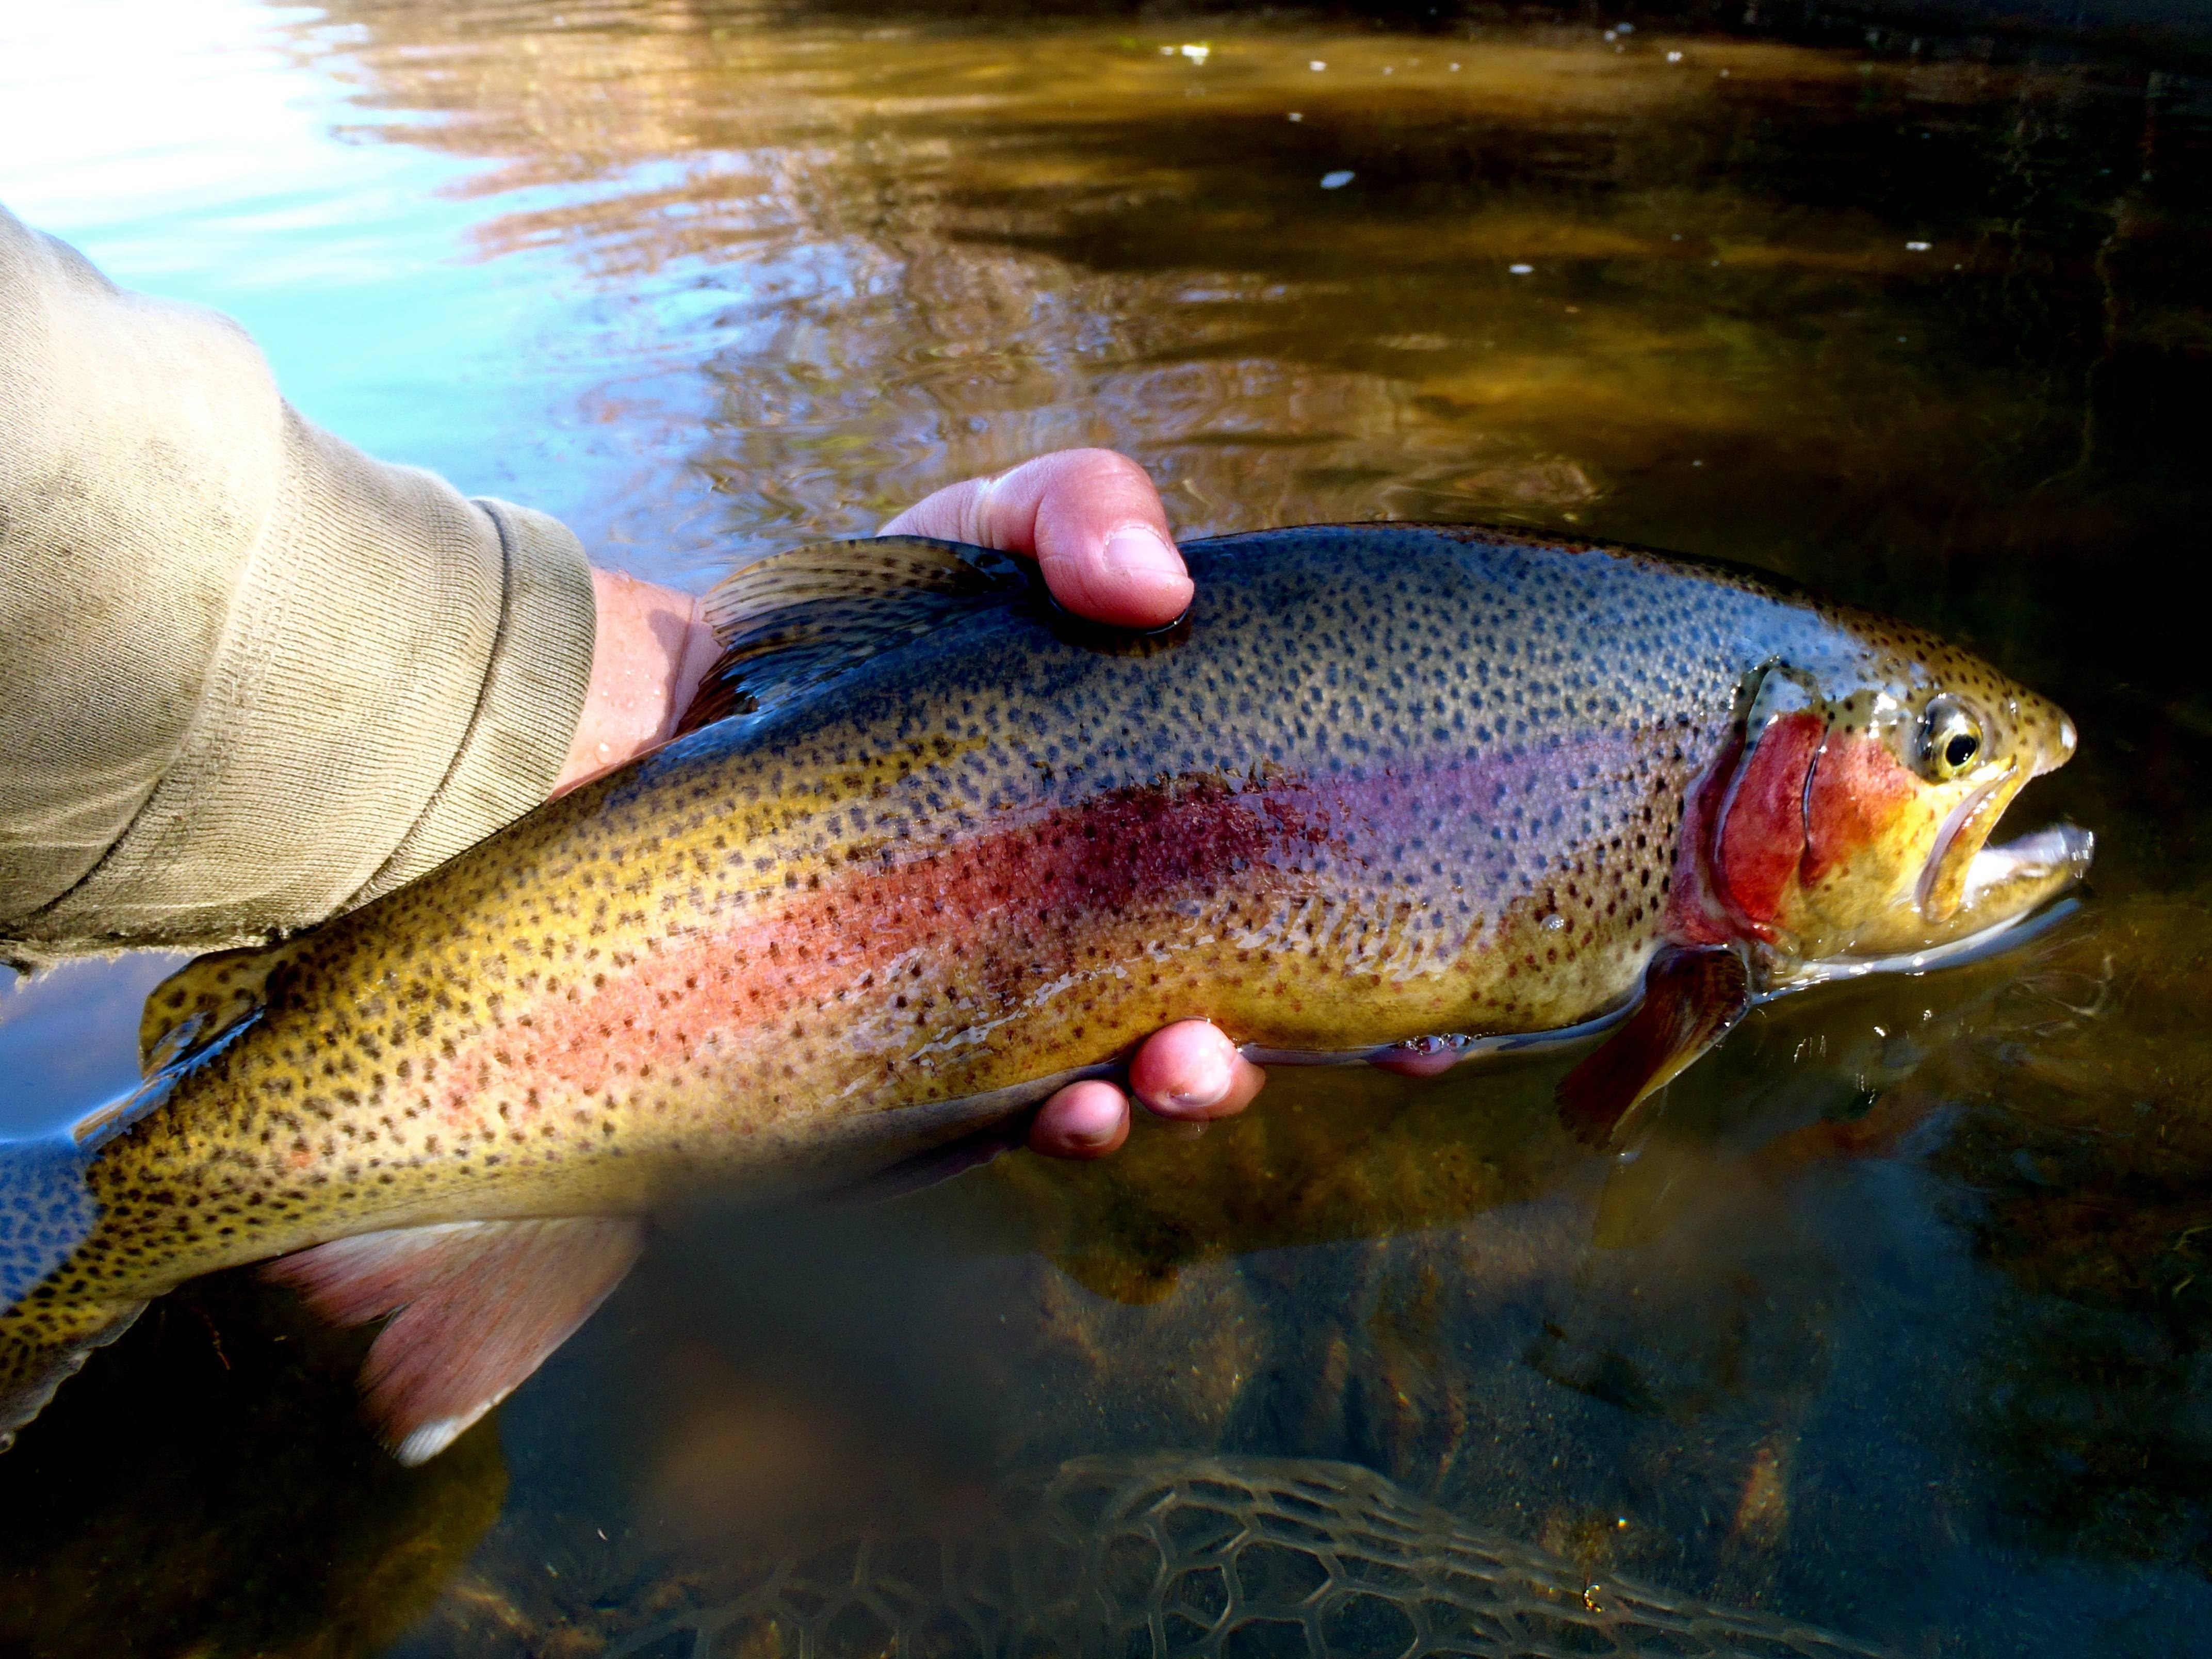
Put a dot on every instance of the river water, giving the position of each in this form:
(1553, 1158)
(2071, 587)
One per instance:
(1898, 1326)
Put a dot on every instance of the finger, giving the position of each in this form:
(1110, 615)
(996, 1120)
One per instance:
(1090, 517)
(1083, 1119)
(1416, 1062)
(1191, 1070)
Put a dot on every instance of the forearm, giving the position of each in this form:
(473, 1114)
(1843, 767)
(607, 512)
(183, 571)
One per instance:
(258, 677)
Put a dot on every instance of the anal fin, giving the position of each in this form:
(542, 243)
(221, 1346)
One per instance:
(1690, 1000)
(475, 1307)
(924, 1170)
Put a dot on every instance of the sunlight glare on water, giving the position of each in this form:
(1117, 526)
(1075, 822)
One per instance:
(204, 151)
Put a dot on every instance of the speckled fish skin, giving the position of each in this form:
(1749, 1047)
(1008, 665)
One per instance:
(1384, 781)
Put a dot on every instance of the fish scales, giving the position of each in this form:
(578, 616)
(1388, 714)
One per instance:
(1381, 783)
(965, 826)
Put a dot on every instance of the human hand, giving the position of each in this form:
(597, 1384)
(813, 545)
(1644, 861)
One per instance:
(1094, 524)
(1090, 517)
(651, 647)
(1096, 528)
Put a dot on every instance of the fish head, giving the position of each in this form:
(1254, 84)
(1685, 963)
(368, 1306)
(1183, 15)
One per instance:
(1850, 820)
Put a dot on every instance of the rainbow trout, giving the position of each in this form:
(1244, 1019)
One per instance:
(933, 849)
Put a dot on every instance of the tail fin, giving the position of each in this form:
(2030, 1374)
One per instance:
(45, 1213)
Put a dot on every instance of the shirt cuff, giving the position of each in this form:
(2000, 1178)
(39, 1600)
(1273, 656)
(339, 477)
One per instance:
(533, 694)
(400, 674)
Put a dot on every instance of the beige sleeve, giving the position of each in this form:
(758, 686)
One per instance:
(254, 677)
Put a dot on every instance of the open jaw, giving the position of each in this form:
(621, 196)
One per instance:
(1963, 838)
(1975, 898)
(1970, 886)
(2008, 882)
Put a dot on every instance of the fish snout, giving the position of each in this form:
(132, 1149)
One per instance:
(2048, 737)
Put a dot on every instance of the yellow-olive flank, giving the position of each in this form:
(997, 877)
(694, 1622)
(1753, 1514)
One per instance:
(932, 848)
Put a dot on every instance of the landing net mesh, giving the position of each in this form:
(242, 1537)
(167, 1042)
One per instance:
(1216, 1558)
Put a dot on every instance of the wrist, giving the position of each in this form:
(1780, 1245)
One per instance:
(651, 647)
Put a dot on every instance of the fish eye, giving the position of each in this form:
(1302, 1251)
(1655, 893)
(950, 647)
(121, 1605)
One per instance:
(1951, 737)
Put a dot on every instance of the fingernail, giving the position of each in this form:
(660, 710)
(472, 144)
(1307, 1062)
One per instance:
(1136, 549)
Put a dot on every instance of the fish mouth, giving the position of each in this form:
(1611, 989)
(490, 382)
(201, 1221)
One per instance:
(1963, 838)
(2005, 893)
(1969, 886)
(2058, 854)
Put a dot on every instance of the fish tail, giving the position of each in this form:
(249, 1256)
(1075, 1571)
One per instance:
(45, 1332)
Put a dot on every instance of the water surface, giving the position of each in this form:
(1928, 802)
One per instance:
(1895, 1326)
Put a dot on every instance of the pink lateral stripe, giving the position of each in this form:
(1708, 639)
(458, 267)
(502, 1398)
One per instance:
(1001, 897)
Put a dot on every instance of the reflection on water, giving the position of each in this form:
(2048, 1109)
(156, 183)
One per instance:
(69, 1040)
(2078, 1163)
(1893, 1323)
(1848, 289)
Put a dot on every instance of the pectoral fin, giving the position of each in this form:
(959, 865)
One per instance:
(475, 1307)
(204, 1001)
(1690, 1000)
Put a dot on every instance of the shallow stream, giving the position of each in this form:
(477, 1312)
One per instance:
(1898, 1326)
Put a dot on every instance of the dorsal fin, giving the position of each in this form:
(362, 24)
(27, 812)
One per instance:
(795, 619)
(204, 1001)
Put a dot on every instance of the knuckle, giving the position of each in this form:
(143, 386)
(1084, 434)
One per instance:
(978, 509)
(1094, 469)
